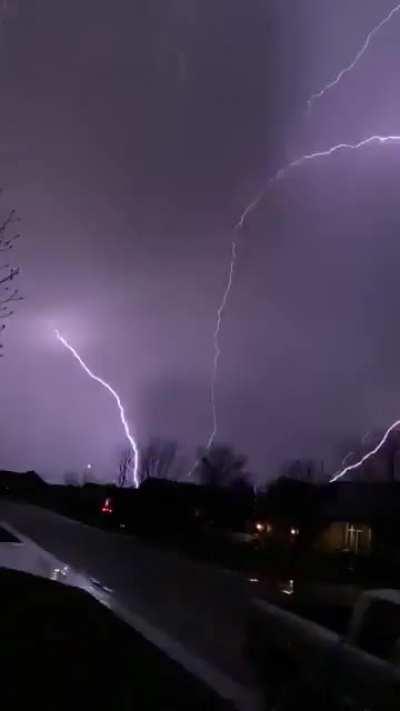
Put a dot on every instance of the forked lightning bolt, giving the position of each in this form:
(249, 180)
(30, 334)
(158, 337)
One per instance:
(355, 61)
(129, 436)
(368, 455)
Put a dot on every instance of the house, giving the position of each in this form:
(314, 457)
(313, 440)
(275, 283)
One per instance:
(352, 516)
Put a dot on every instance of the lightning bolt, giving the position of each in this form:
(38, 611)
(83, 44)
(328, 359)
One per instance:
(217, 351)
(217, 347)
(297, 162)
(280, 175)
(368, 455)
(355, 61)
(104, 384)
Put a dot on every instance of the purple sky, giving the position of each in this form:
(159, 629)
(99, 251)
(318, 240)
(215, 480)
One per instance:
(132, 135)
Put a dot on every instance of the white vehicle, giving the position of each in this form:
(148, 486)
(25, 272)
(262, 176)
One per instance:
(304, 665)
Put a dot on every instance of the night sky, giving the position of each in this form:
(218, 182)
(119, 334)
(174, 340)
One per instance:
(132, 136)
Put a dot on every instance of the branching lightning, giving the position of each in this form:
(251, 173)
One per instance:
(348, 456)
(375, 30)
(132, 442)
(297, 162)
(368, 455)
(280, 175)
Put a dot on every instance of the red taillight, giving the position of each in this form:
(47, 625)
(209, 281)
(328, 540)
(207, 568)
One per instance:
(107, 507)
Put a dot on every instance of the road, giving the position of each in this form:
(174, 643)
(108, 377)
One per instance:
(199, 607)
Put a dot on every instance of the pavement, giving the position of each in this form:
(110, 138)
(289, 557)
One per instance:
(193, 612)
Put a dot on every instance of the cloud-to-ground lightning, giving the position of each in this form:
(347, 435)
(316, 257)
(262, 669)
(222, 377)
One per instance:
(217, 351)
(278, 176)
(330, 85)
(306, 158)
(217, 347)
(368, 455)
(132, 442)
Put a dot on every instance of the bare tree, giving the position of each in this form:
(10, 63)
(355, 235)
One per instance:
(8, 293)
(125, 466)
(159, 458)
(221, 465)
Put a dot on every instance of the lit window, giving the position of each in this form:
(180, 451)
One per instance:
(288, 587)
(357, 537)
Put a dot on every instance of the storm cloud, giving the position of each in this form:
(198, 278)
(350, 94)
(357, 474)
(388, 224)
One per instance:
(132, 136)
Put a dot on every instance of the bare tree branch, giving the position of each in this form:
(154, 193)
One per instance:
(159, 459)
(9, 272)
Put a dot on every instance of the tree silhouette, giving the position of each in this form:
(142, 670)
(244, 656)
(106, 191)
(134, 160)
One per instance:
(126, 460)
(307, 470)
(221, 466)
(158, 459)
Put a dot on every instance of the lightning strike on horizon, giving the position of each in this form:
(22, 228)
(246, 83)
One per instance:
(368, 455)
(129, 436)
(375, 30)
(307, 157)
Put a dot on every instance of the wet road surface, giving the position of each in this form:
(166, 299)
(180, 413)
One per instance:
(200, 607)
